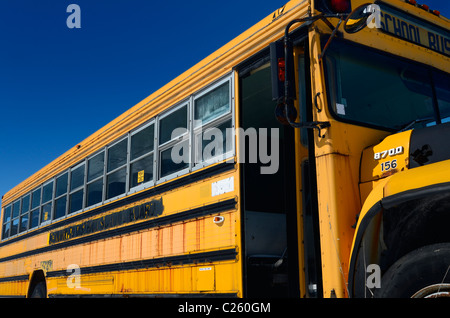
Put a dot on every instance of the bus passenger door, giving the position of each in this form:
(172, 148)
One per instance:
(268, 195)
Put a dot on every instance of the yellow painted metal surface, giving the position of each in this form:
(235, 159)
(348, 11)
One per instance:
(341, 197)
(181, 238)
(420, 177)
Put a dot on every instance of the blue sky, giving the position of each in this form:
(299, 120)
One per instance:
(59, 85)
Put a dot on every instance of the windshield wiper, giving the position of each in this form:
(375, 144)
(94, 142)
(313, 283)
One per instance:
(415, 121)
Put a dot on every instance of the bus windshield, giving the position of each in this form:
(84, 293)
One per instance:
(370, 88)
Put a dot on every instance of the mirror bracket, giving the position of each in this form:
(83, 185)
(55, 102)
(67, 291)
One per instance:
(353, 22)
(286, 114)
(333, 34)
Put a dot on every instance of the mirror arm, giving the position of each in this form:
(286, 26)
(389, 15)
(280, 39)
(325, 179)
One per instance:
(333, 34)
(328, 23)
(362, 13)
(319, 125)
(314, 18)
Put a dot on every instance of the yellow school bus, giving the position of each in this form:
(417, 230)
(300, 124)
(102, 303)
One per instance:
(308, 157)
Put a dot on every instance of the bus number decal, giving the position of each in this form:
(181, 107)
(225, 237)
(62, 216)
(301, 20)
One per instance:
(388, 165)
(391, 152)
(278, 13)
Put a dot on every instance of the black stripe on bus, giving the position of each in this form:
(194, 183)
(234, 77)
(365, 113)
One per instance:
(153, 191)
(157, 222)
(14, 278)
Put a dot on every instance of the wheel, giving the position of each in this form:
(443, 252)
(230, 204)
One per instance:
(39, 291)
(423, 273)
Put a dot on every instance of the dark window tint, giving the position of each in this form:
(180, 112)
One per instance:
(77, 177)
(116, 183)
(6, 230)
(36, 198)
(174, 159)
(141, 171)
(60, 207)
(34, 218)
(377, 89)
(61, 185)
(442, 86)
(167, 125)
(23, 223)
(76, 201)
(117, 155)
(47, 192)
(25, 204)
(96, 166)
(142, 142)
(94, 192)
(14, 227)
(16, 209)
(7, 214)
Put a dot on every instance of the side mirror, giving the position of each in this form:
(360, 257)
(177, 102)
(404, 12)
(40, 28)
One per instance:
(357, 19)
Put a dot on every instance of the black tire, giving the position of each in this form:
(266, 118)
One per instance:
(39, 291)
(424, 272)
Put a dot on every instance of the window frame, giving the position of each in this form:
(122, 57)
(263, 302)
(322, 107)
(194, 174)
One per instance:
(151, 182)
(230, 114)
(101, 177)
(25, 213)
(82, 187)
(116, 169)
(15, 204)
(172, 142)
(36, 208)
(51, 201)
(208, 90)
(61, 196)
(6, 222)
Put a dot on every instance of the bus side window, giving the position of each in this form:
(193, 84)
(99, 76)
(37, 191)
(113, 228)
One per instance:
(212, 124)
(141, 156)
(173, 132)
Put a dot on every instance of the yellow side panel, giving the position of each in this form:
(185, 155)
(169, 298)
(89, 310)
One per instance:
(176, 280)
(418, 177)
(14, 288)
(203, 278)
